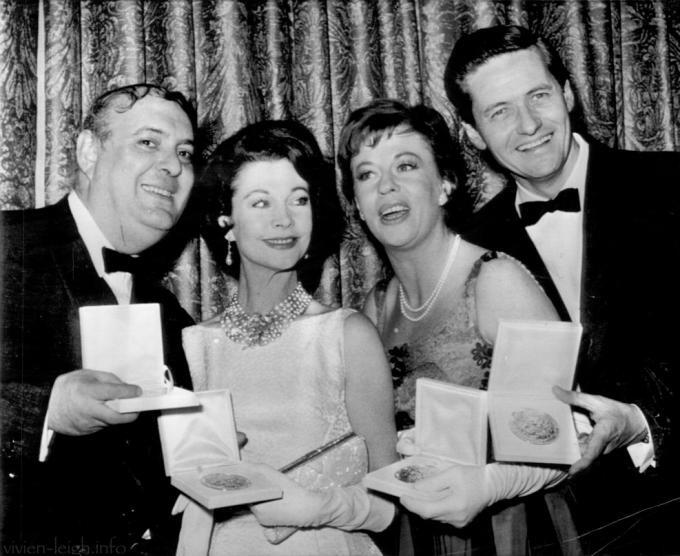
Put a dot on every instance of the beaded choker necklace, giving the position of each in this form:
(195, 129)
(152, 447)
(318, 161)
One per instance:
(257, 329)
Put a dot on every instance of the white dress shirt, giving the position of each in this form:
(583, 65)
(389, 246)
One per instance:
(94, 239)
(558, 237)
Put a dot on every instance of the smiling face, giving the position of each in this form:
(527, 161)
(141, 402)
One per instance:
(271, 215)
(398, 189)
(521, 115)
(136, 181)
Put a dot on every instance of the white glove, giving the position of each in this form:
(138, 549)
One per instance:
(465, 490)
(347, 508)
(197, 525)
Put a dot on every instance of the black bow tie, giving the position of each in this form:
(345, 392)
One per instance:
(567, 201)
(119, 262)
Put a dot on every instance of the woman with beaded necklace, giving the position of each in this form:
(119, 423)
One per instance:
(438, 315)
(301, 374)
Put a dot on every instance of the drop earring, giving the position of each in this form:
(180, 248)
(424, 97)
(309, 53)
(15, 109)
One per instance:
(224, 221)
(229, 236)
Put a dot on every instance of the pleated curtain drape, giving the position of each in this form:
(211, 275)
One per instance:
(241, 61)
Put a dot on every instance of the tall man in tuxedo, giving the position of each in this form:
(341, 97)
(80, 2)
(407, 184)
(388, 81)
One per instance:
(598, 228)
(77, 475)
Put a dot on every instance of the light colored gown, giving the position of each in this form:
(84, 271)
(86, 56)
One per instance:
(288, 398)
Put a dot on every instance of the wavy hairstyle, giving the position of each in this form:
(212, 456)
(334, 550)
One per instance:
(274, 140)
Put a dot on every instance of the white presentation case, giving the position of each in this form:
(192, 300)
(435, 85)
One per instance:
(127, 341)
(202, 457)
(451, 428)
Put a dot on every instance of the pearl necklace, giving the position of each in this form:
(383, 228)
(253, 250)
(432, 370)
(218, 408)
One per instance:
(429, 302)
(257, 329)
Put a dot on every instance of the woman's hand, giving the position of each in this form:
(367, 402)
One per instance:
(298, 507)
(348, 508)
(460, 493)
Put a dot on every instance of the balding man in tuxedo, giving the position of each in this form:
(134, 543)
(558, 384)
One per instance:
(78, 475)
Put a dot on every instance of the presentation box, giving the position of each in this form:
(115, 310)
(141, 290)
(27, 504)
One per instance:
(127, 340)
(451, 428)
(527, 423)
(202, 457)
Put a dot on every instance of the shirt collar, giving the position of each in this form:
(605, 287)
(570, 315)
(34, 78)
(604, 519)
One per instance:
(92, 236)
(576, 179)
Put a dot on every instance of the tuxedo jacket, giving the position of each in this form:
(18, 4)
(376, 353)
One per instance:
(106, 487)
(629, 297)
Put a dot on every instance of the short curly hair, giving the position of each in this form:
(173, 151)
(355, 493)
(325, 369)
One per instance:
(274, 140)
(379, 119)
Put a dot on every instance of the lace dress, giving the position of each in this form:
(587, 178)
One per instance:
(288, 398)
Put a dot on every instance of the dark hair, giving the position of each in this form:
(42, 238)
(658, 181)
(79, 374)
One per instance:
(275, 140)
(473, 50)
(124, 98)
(380, 119)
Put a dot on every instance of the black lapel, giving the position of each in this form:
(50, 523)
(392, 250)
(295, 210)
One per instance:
(73, 263)
(596, 250)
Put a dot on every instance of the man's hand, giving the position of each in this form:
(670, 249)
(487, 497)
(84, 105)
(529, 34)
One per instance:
(77, 403)
(459, 493)
(616, 424)
(406, 445)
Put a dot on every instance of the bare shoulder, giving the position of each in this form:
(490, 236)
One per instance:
(506, 290)
(505, 273)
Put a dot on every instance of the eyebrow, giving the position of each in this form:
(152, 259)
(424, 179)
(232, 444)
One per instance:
(255, 192)
(407, 153)
(304, 188)
(158, 131)
(399, 154)
(540, 87)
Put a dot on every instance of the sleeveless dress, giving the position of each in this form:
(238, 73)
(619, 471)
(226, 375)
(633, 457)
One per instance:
(288, 398)
(453, 350)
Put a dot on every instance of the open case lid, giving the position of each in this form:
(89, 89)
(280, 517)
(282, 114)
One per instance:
(201, 455)
(530, 357)
(451, 421)
(202, 437)
(127, 340)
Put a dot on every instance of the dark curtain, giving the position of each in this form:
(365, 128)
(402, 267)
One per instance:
(241, 61)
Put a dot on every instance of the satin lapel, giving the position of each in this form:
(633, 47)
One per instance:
(594, 297)
(501, 229)
(73, 264)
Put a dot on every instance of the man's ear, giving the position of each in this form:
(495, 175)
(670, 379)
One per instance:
(87, 152)
(569, 98)
(474, 136)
